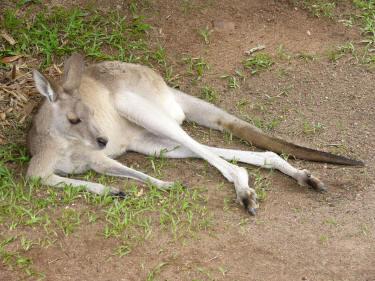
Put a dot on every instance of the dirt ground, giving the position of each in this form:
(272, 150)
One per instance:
(298, 234)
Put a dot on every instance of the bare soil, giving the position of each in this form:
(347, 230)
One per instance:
(291, 238)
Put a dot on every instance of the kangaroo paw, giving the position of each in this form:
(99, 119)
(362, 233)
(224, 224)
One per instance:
(306, 179)
(118, 194)
(247, 198)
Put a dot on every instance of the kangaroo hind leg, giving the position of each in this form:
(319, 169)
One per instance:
(214, 117)
(153, 145)
(157, 121)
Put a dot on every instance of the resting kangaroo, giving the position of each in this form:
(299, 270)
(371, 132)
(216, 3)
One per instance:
(99, 112)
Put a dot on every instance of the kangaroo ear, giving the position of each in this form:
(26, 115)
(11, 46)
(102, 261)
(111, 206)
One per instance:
(44, 86)
(73, 69)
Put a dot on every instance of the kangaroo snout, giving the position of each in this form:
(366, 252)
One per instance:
(102, 141)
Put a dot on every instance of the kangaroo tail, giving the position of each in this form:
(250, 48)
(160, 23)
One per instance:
(210, 116)
(261, 140)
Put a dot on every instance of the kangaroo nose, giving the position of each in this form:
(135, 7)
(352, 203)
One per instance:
(102, 142)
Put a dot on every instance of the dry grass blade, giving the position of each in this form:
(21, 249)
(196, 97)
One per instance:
(17, 101)
(8, 37)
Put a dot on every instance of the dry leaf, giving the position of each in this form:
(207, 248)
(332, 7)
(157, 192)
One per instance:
(8, 37)
(3, 116)
(57, 69)
(140, 193)
(10, 59)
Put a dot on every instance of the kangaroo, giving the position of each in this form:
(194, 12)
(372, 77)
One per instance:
(100, 112)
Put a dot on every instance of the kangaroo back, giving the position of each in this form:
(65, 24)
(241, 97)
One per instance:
(211, 116)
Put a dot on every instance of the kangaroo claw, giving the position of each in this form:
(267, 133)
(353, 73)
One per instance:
(119, 194)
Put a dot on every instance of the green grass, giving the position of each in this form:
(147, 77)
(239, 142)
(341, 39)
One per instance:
(13, 153)
(261, 185)
(282, 53)
(322, 8)
(340, 149)
(364, 229)
(323, 239)
(366, 20)
(306, 57)
(267, 125)
(26, 204)
(364, 17)
(234, 81)
(342, 50)
(310, 128)
(50, 34)
(196, 66)
(151, 275)
(158, 162)
(29, 206)
(205, 34)
(69, 221)
(209, 94)
(331, 221)
(241, 105)
(318, 8)
(258, 62)
(228, 137)
(16, 260)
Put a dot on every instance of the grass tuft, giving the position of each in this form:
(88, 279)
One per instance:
(196, 66)
(319, 8)
(205, 34)
(258, 62)
(367, 22)
(209, 94)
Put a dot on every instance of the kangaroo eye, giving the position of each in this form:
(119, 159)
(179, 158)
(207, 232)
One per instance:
(74, 121)
(73, 118)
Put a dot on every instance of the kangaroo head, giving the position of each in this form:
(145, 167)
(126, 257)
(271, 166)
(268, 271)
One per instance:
(70, 117)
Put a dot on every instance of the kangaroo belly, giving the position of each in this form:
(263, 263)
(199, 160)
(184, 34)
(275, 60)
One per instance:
(172, 108)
